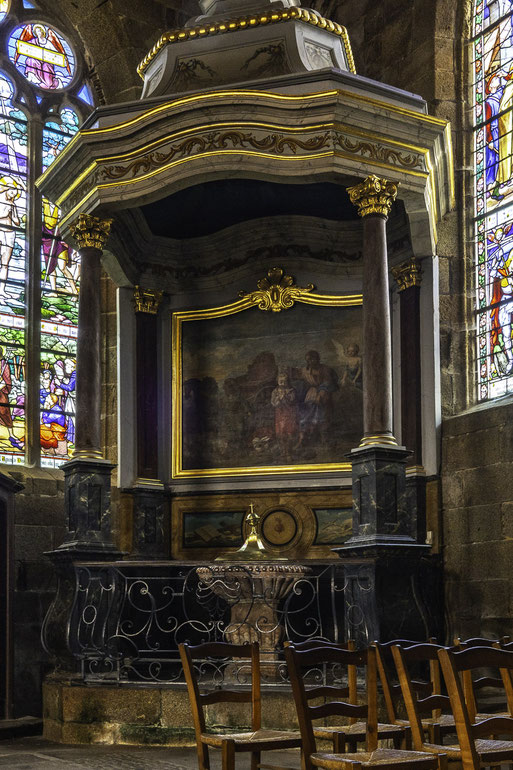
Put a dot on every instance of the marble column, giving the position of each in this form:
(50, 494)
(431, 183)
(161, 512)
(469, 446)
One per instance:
(383, 558)
(150, 505)
(408, 277)
(87, 474)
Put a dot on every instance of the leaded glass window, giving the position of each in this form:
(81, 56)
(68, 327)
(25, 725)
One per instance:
(493, 164)
(43, 100)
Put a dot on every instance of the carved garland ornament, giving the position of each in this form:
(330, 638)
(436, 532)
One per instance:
(91, 232)
(277, 292)
(373, 196)
(279, 144)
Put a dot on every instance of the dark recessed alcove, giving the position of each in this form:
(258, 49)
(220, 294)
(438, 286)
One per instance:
(212, 206)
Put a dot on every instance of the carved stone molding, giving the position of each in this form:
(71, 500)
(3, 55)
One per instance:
(408, 274)
(373, 196)
(277, 292)
(91, 232)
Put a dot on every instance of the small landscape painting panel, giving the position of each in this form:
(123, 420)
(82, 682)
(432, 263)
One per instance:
(267, 390)
(334, 525)
(213, 529)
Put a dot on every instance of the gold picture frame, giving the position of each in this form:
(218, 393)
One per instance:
(276, 293)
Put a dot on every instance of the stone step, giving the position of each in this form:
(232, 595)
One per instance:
(18, 728)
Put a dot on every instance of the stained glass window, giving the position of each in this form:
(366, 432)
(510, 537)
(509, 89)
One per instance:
(493, 165)
(43, 100)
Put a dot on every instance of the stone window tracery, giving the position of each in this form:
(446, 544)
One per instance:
(43, 100)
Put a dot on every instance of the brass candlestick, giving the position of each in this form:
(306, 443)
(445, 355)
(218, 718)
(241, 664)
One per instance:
(253, 548)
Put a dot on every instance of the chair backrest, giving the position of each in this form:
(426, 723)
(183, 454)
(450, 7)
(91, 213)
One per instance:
(392, 689)
(351, 691)
(456, 663)
(307, 712)
(471, 685)
(218, 655)
(434, 703)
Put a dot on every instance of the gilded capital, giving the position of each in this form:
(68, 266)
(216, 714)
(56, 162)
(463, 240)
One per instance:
(146, 300)
(373, 196)
(91, 232)
(407, 274)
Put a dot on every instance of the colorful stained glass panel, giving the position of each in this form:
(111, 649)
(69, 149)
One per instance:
(493, 190)
(42, 55)
(4, 9)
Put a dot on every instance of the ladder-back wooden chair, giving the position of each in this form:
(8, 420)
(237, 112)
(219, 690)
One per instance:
(475, 751)
(309, 711)
(392, 689)
(473, 686)
(436, 704)
(355, 732)
(255, 740)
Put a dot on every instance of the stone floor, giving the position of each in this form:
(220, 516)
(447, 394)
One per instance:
(35, 753)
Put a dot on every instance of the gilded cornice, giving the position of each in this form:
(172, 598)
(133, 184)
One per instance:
(373, 196)
(408, 274)
(248, 22)
(91, 232)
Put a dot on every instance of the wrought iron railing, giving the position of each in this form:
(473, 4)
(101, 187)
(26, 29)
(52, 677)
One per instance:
(128, 618)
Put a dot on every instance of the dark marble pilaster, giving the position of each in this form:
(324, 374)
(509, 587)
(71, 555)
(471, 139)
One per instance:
(416, 502)
(151, 523)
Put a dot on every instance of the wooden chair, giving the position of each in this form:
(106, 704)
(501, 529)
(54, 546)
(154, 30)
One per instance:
(472, 685)
(254, 741)
(392, 690)
(355, 731)
(441, 720)
(309, 712)
(475, 751)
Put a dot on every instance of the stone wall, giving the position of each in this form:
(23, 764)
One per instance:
(478, 521)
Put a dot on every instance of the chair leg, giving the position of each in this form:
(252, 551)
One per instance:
(255, 759)
(203, 757)
(442, 762)
(228, 754)
(339, 743)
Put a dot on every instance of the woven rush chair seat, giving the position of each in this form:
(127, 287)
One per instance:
(266, 739)
(391, 758)
(358, 730)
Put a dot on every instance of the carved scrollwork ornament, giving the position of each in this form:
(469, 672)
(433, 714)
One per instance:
(408, 274)
(147, 300)
(91, 232)
(277, 292)
(373, 196)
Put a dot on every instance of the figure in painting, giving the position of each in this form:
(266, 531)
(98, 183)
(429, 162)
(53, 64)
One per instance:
(65, 384)
(500, 245)
(53, 419)
(5, 409)
(44, 51)
(56, 253)
(353, 371)
(10, 218)
(286, 425)
(321, 382)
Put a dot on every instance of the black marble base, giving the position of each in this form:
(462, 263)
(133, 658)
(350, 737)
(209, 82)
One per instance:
(87, 485)
(392, 593)
(380, 511)
(416, 505)
(151, 517)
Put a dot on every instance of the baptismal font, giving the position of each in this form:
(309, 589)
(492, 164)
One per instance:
(253, 582)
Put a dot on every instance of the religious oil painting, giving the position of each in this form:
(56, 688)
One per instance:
(267, 392)
(493, 165)
(213, 529)
(334, 525)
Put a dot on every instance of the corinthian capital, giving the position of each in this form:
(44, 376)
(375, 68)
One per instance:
(91, 232)
(407, 274)
(373, 196)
